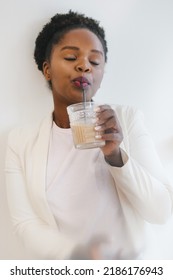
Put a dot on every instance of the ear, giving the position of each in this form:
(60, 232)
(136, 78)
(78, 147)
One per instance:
(46, 70)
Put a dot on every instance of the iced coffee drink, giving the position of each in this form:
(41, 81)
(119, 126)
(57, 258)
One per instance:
(82, 122)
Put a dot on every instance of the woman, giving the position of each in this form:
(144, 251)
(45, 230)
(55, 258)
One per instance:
(90, 204)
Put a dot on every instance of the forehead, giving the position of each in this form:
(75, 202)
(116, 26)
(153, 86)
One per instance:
(81, 37)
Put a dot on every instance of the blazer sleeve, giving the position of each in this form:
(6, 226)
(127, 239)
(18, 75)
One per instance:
(42, 240)
(142, 181)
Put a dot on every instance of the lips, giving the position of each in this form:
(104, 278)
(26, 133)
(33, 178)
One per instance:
(81, 82)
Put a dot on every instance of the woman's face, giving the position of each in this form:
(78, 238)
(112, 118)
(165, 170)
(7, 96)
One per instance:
(76, 64)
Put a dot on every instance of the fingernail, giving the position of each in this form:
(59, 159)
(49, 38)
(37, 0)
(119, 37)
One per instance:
(98, 136)
(97, 109)
(98, 127)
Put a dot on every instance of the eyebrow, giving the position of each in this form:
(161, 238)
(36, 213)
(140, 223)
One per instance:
(77, 49)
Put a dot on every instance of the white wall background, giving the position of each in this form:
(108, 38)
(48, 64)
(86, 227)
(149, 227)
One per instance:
(139, 73)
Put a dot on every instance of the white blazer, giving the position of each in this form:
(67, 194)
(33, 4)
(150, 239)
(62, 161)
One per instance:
(144, 191)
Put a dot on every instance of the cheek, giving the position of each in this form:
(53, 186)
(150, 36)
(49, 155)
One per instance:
(58, 68)
(99, 77)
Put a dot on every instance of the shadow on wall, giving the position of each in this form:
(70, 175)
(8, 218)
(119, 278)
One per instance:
(165, 150)
(160, 236)
(167, 147)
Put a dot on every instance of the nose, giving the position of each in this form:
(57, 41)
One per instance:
(83, 66)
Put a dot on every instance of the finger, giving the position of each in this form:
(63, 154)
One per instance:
(111, 123)
(105, 115)
(102, 108)
(114, 137)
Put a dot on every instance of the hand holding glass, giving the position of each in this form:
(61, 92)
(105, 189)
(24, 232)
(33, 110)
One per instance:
(82, 121)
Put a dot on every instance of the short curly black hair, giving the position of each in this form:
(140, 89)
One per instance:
(55, 29)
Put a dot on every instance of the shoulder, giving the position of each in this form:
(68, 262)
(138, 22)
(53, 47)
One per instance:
(127, 114)
(20, 135)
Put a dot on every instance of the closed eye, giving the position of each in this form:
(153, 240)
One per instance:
(73, 58)
(70, 58)
(94, 63)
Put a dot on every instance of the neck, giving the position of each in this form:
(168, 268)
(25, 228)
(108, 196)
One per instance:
(61, 118)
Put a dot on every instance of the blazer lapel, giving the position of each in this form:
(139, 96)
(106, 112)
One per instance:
(39, 161)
